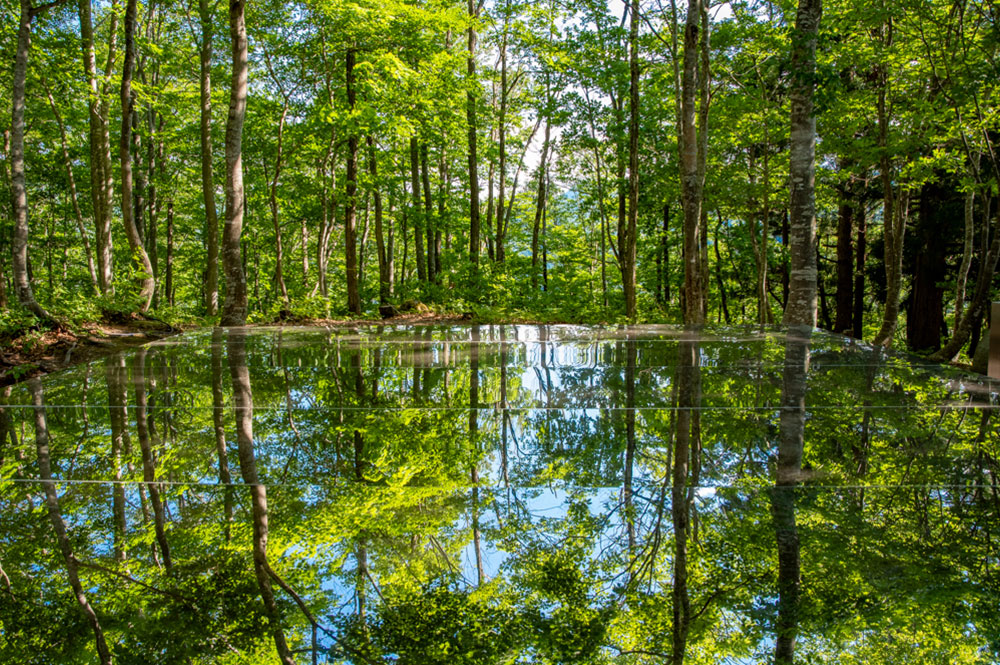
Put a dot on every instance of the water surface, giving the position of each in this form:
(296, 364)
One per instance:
(500, 494)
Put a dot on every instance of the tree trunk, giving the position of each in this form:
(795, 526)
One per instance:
(845, 267)
(100, 145)
(52, 503)
(279, 254)
(19, 193)
(351, 204)
(801, 306)
(384, 277)
(234, 311)
(416, 216)
(207, 183)
(967, 246)
(691, 183)
(147, 283)
(894, 214)
(425, 180)
(470, 114)
(859, 270)
(628, 249)
(68, 165)
(925, 314)
(168, 284)
(539, 206)
(977, 307)
(502, 150)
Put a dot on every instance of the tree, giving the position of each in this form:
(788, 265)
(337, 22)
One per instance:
(234, 311)
(146, 278)
(207, 183)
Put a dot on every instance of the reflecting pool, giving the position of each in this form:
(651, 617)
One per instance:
(501, 494)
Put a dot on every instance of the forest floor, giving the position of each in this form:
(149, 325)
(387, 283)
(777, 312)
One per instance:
(38, 352)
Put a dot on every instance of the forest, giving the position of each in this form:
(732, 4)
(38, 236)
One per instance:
(586, 162)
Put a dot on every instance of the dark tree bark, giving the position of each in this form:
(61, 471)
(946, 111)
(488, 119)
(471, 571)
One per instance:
(925, 314)
(540, 204)
(351, 194)
(416, 215)
(860, 252)
(501, 130)
(627, 246)
(168, 279)
(801, 306)
(845, 267)
(147, 282)
(55, 516)
(470, 114)
(234, 311)
(429, 226)
(207, 182)
(384, 267)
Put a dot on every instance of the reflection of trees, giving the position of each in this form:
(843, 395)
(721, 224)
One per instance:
(58, 524)
(243, 411)
(142, 428)
(687, 448)
(789, 473)
(388, 560)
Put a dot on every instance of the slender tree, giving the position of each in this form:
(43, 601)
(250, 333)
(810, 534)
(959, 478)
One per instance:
(234, 311)
(211, 293)
(146, 280)
(19, 192)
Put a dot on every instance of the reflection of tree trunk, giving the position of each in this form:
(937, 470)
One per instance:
(58, 524)
(790, 443)
(148, 463)
(630, 355)
(219, 425)
(243, 407)
(118, 415)
(8, 435)
(685, 440)
(504, 406)
(474, 438)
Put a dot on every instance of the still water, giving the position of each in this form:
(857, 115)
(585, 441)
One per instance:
(501, 494)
